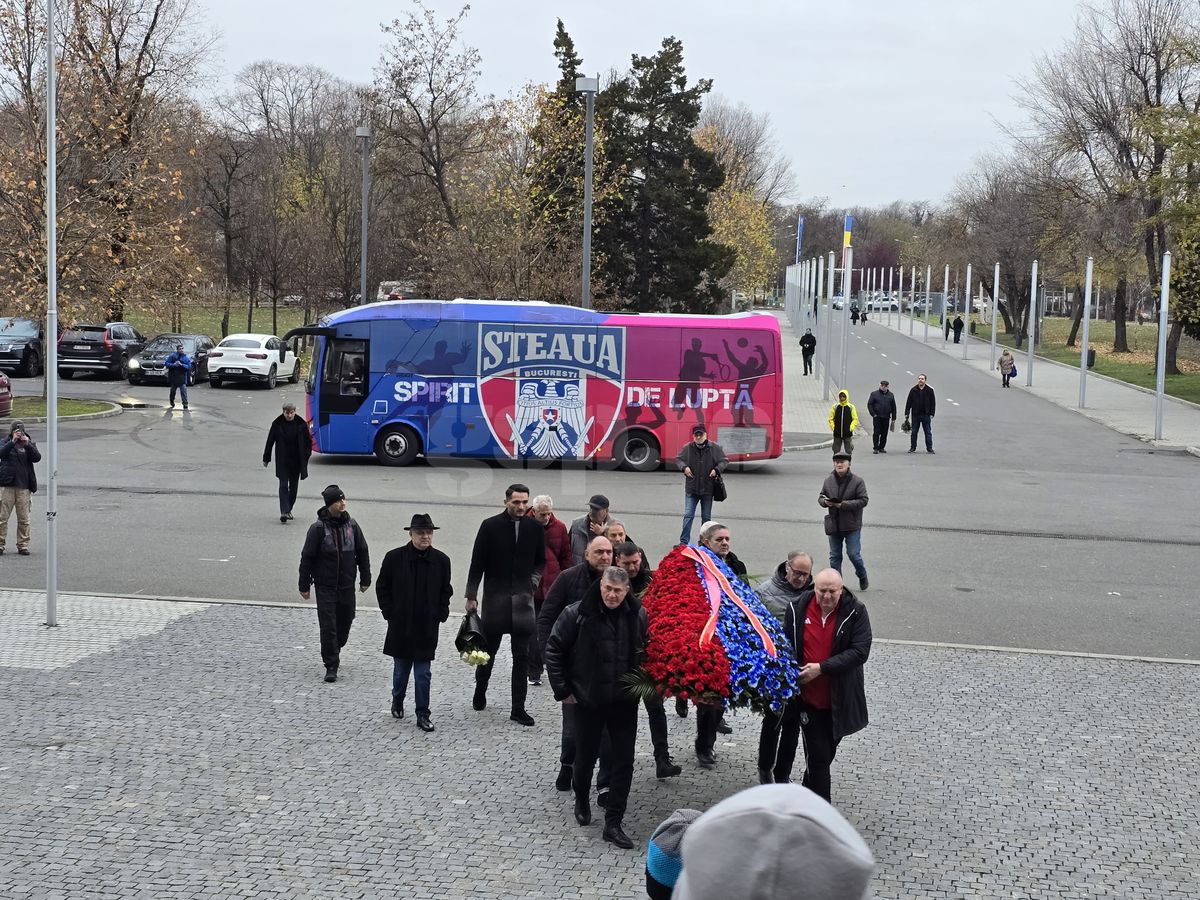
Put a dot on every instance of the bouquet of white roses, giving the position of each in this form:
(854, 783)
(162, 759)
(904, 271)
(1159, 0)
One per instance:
(476, 657)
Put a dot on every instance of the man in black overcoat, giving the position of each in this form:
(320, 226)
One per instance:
(508, 558)
(413, 589)
(290, 440)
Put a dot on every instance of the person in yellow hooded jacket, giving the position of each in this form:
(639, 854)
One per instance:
(843, 420)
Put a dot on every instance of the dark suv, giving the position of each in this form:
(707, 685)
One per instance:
(98, 348)
(21, 349)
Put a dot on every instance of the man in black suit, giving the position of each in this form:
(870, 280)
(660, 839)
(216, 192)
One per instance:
(508, 557)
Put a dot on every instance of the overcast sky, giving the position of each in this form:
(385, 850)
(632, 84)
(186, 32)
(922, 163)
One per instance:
(910, 90)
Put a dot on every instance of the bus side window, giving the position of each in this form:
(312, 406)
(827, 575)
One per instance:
(346, 368)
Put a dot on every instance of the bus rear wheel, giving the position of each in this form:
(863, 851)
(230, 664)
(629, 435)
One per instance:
(638, 451)
(397, 445)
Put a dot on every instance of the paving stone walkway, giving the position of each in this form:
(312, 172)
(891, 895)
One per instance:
(195, 752)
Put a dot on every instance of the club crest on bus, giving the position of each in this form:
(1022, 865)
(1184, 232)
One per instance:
(550, 392)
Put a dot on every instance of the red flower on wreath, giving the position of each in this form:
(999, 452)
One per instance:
(677, 610)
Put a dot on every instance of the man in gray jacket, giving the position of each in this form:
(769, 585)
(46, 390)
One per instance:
(791, 581)
(844, 495)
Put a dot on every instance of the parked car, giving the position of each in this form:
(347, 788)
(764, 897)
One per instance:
(252, 357)
(98, 348)
(882, 305)
(6, 399)
(149, 364)
(21, 348)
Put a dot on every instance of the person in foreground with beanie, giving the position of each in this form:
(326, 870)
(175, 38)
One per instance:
(333, 549)
(664, 855)
(773, 842)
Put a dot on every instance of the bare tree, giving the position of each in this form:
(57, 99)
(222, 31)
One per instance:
(745, 147)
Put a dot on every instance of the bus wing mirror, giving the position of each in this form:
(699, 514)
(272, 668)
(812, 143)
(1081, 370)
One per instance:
(283, 353)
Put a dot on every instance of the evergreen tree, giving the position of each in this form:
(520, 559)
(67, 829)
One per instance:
(654, 241)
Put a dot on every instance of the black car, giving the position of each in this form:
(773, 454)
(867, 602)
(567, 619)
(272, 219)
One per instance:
(21, 349)
(149, 364)
(98, 348)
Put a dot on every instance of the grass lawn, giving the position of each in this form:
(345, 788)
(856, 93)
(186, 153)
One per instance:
(1135, 367)
(35, 407)
(207, 320)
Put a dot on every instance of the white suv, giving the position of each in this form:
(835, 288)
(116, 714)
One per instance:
(252, 357)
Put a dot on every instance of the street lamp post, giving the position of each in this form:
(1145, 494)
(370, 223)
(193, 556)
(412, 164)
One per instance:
(51, 322)
(588, 87)
(364, 132)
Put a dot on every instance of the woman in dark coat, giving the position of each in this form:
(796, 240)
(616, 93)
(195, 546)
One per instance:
(413, 589)
(293, 446)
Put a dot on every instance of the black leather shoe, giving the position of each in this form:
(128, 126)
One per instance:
(424, 724)
(22, 551)
(666, 768)
(614, 835)
(706, 758)
(723, 726)
(479, 701)
(563, 781)
(283, 519)
(602, 798)
(397, 709)
(583, 811)
(863, 584)
(330, 674)
(765, 776)
(681, 706)
(519, 715)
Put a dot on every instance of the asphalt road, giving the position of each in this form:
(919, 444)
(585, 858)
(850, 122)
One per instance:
(1030, 527)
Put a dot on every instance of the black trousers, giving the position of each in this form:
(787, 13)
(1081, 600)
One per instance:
(768, 740)
(619, 720)
(656, 716)
(820, 746)
(512, 615)
(707, 717)
(808, 366)
(879, 431)
(335, 614)
(289, 486)
(536, 665)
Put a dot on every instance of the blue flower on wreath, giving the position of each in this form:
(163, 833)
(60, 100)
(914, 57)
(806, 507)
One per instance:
(756, 679)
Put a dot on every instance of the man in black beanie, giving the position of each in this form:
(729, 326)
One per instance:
(333, 549)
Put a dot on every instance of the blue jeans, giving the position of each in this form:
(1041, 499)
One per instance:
(400, 670)
(182, 388)
(689, 514)
(918, 423)
(853, 541)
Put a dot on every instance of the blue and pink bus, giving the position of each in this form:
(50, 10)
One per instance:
(504, 380)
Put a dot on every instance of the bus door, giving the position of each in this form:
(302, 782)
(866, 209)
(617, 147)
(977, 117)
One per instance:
(344, 415)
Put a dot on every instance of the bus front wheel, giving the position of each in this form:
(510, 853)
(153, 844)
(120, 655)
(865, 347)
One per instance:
(397, 445)
(638, 451)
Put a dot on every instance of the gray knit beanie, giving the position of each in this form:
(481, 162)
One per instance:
(774, 842)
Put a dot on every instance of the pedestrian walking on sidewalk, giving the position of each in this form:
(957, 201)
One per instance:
(844, 496)
(843, 420)
(596, 643)
(1007, 367)
(413, 590)
(831, 636)
(808, 346)
(334, 549)
(178, 365)
(289, 440)
(881, 407)
(509, 557)
(958, 328)
(701, 461)
(854, 315)
(921, 406)
(18, 484)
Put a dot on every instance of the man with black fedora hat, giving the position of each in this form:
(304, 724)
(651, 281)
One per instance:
(334, 548)
(414, 593)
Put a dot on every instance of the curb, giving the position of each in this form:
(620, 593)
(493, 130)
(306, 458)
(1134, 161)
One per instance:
(114, 409)
(821, 445)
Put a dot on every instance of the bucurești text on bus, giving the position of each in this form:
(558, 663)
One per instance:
(504, 380)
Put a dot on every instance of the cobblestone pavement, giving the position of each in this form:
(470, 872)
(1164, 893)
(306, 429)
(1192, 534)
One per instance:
(205, 757)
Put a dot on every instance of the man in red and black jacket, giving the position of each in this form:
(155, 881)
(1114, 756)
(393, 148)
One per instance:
(558, 558)
(831, 634)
